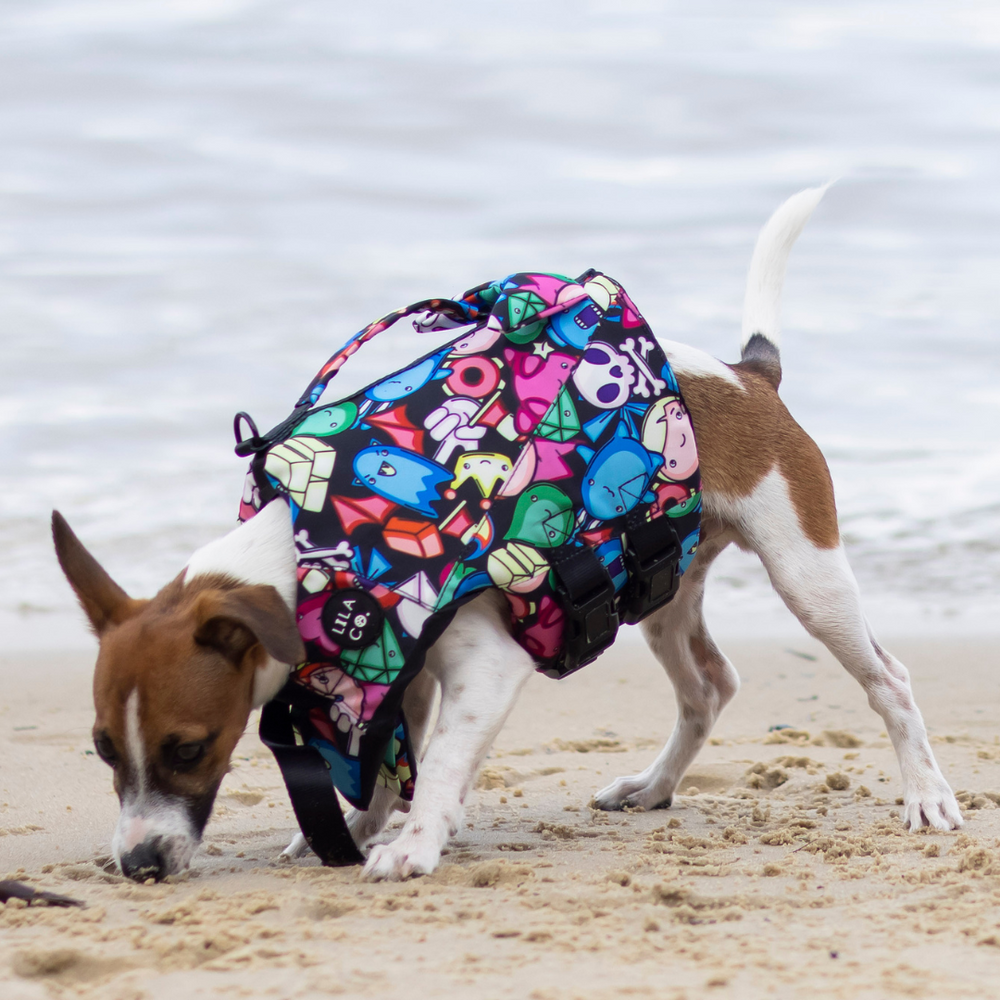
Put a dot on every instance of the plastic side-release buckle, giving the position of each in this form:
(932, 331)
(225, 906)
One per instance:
(588, 598)
(652, 558)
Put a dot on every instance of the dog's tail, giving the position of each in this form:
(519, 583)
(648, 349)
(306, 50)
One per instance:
(762, 306)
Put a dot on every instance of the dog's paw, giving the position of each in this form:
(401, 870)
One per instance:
(400, 860)
(932, 805)
(295, 849)
(634, 792)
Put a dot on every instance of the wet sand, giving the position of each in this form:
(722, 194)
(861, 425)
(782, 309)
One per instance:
(781, 870)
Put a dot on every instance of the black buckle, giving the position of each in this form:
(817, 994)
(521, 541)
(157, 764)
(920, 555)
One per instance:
(588, 598)
(258, 444)
(652, 558)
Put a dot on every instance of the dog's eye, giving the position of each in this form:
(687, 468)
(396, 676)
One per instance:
(188, 754)
(105, 749)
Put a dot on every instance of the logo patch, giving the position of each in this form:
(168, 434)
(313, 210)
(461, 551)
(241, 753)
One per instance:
(352, 618)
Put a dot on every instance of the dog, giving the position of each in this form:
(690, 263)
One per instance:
(177, 676)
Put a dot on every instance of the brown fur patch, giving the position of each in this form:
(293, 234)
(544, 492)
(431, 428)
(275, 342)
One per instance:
(744, 434)
(190, 689)
(187, 692)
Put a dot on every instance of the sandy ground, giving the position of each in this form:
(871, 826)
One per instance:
(782, 871)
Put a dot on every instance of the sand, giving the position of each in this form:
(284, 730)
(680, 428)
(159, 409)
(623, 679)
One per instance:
(782, 869)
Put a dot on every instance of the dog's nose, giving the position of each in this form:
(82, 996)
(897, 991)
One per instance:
(145, 861)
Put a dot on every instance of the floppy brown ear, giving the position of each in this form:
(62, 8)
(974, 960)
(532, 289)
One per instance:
(103, 601)
(232, 621)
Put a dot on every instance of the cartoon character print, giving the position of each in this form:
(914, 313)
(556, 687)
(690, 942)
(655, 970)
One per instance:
(604, 376)
(451, 425)
(618, 476)
(517, 568)
(410, 380)
(577, 324)
(667, 429)
(537, 380)
(689, 549)
(329, 420)
(401, 476)
(487, 469)
(478, 340)
(543, 517)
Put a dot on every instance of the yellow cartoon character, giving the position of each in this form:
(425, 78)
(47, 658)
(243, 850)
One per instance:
(302, 465)
(485, 468)
(517, 567)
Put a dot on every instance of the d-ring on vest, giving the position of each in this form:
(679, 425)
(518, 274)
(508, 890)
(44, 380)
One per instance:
(546, 451)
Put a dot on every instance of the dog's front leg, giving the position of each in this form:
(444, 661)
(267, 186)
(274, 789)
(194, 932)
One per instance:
(481, 670)
(418, 705)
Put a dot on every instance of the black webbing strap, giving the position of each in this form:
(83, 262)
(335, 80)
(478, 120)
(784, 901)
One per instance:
(587, 594)
(310, 788)
(652, 558)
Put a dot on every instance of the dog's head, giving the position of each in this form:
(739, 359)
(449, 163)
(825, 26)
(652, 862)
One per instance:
(173, 688)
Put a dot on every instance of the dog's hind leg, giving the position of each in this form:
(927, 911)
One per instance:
(481, 670)
(704, 681)
(819, 588)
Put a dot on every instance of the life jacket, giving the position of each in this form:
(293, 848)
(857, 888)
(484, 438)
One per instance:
(545, 451)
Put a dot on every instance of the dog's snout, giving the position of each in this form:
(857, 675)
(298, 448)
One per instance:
(145, 860)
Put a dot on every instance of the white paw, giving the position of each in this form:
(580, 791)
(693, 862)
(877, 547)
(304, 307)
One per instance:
(401, 859)
(295, 849)
(933, 804)
(632, 792)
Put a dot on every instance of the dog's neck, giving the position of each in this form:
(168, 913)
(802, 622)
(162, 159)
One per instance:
(259, 551)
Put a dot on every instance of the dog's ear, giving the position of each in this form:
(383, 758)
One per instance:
(232, 621)
(103, 601)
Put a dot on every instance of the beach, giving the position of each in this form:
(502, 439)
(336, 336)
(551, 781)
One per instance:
(781, 869)
(201, 201)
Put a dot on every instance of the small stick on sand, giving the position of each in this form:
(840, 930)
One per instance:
(18, 890)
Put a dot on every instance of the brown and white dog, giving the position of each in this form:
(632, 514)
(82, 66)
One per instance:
(177, 676)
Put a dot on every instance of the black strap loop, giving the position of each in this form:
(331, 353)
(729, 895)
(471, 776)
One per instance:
(249, 445)
(588, 598)
(310, 788)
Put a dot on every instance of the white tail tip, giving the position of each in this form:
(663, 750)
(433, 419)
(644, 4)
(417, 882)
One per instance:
(762, 305)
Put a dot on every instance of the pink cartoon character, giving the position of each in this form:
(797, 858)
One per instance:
(537, 381)
(346, 695)
(667, 429)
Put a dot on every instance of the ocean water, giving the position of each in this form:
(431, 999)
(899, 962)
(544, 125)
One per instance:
(200, 200)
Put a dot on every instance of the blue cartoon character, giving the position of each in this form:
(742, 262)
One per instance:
(612, 558)
(618, 476)
(577, 323)
(403, 383)
(401, 476)
(689, 549)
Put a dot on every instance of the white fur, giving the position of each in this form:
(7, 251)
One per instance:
(691, 361)
(481, 670)
(259, 551)
(762, 304)
(134, 747)
(149, 817)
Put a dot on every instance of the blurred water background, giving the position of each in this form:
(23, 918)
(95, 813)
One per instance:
(200, 200)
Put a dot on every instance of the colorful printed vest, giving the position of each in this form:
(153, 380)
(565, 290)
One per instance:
(546, 451)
